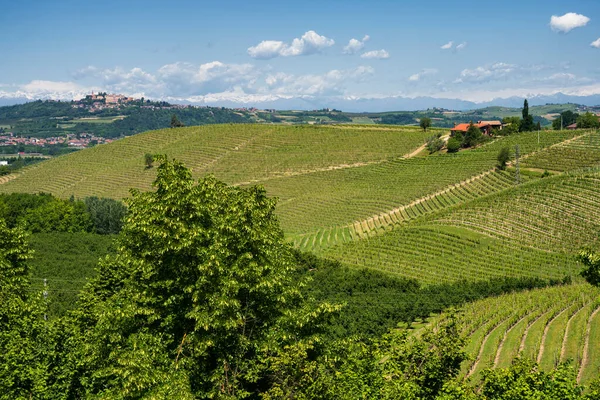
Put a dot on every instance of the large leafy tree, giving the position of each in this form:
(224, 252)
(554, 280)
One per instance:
(425, 123)
(588, 121)
(23, 346)
(201, 298)
(565, 118)
(591, 270)
(472, 137)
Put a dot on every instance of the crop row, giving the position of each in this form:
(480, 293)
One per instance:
(579, 153)
(234, 153)
(482, 185)
(556, 214)
(438, 253)
(548, 325)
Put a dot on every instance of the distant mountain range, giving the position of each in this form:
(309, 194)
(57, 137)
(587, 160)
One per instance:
(404, 103)
(394, 103)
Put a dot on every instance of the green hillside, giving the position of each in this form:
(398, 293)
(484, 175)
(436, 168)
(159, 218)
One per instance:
(352, 194)
(548, 325)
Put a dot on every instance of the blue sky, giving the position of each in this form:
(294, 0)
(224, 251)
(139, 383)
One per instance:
(252, 51)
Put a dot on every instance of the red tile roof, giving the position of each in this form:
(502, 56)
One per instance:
(461, 127)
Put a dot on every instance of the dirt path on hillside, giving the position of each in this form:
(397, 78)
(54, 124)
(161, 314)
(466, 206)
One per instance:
(524, 337)
(563, 348)
(564, 142)
(546, 329)
(501, 345)
(481, 348)
(419, 149)
(584, 359)
(334, 167)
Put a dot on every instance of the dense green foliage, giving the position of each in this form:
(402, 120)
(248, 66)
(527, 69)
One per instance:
(55, 118)
(472, 137)
(588, 121)
(201, 288)
(24, 347)
(503, 158)
(565, 119)
(14, 164)
(524, 380)
(434, 144)
(376, 302)
(65, 261)
(43, 212)
(591, 263)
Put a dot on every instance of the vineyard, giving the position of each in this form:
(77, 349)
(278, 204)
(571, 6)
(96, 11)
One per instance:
(234, 153)
(350, 193)
(548, 325)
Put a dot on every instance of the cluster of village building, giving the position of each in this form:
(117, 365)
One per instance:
(72, 140)
(101, 101)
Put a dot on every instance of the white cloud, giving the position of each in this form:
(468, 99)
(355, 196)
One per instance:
(450, 46)
(422, 74)
(568, 22)
(461, 46)
(379, 54)
(596, 43)
(355, 45)
(329, 83)
(447, 46)
(310, 43)
(486, 73)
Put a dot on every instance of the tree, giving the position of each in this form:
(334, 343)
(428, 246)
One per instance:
(425, 123)
(503, 157)
(453, 145)
(24, 344)
(107, 214)
(566, 118)
(511, 125)
(527, 121)
(175, 123)
(591, 262)
(434, 143)
(201, 299)
(148, 160)
(588, 121)
(472, 137)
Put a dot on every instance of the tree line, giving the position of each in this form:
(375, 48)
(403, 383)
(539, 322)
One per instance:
(44, 213)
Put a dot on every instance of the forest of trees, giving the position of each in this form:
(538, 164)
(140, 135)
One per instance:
(203, 298)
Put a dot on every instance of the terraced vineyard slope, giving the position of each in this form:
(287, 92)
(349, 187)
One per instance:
(234, 153)
(549, 326)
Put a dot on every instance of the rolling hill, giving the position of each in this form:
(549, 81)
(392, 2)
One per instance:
(370, 197)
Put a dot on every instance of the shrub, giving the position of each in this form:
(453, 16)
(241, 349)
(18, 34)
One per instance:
(503, 157)
(434, 143)
(453, 145)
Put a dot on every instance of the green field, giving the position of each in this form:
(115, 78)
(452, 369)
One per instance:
(548, 325)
